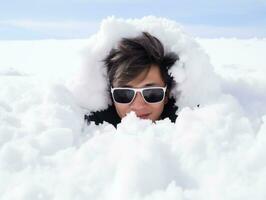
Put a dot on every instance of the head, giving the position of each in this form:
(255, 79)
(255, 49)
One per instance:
(141, 62)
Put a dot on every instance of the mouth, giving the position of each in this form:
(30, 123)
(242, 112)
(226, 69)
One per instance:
(143, 116)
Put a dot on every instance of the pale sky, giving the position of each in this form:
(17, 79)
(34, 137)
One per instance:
(58, 19)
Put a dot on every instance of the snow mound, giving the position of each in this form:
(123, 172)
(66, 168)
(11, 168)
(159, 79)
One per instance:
(11, 72)
(43, 155)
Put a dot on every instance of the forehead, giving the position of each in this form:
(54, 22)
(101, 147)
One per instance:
(151, 77)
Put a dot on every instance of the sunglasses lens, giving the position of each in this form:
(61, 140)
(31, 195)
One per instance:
(153, 95)
(123, 95)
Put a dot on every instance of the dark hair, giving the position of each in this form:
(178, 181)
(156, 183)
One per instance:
(135, 55)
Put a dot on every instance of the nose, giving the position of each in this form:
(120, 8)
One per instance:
(138, 103)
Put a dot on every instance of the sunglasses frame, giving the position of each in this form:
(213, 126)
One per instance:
(136, 90)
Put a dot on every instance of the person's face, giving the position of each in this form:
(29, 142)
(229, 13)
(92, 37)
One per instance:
(143, 109)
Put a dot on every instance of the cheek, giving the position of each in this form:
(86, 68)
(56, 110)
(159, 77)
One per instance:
(157, 110)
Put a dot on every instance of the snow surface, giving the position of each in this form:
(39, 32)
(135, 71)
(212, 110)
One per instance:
(215, 151)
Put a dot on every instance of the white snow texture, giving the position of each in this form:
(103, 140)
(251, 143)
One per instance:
(215, 151)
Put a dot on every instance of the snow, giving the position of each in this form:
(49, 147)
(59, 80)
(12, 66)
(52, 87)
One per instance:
(241, 65)
(215, 151)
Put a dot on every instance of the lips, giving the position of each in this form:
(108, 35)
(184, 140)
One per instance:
(143, 116)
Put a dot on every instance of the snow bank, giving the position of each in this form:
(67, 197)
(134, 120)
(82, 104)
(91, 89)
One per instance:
(47, 59)
(11, 72)
(211, 152)
(242, 68)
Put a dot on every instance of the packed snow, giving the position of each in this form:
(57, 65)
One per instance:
(214, 151)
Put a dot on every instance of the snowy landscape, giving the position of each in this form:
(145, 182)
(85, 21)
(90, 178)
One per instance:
(215, 151)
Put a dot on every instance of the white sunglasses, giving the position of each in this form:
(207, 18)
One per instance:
(126, 95)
